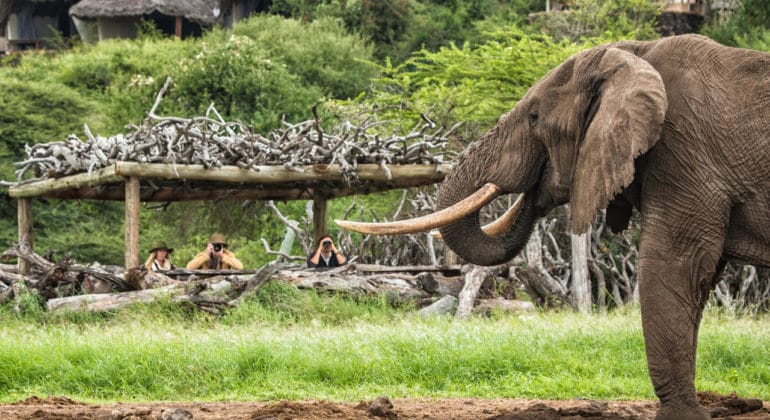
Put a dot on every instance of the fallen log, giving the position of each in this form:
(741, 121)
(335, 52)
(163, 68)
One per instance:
(106, 302)
(402, 286)
(446, 305)
(473, 280)
(375, 268)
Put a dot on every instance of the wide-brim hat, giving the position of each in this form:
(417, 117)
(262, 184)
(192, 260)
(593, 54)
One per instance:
(161, 245)
(218, 238)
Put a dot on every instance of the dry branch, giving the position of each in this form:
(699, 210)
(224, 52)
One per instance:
(216, 143)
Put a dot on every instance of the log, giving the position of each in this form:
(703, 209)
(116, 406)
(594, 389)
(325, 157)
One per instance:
(10, 268)
(375, 268)
(276, 174)
(9, 278)
(403, 287)
(183, 272)
(445, 305)
(473, 280)
(107, 302)
(33, 189)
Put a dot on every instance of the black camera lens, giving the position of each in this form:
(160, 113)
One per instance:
(327, 243)
(217, 247)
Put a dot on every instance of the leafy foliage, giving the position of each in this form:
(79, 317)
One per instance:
(620, 19)
(748, 27)
(473, 84)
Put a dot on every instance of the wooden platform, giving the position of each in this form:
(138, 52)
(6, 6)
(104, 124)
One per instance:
(134, 182)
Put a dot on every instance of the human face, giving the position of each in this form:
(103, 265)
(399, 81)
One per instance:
(161, 254)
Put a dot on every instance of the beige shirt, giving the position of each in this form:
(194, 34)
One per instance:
(202, 261)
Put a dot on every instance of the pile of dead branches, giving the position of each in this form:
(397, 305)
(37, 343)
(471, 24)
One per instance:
(213, 142)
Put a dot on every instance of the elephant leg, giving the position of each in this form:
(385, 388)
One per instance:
(673, 290)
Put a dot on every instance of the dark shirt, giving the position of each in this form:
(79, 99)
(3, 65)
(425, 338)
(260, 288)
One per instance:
(333, 262)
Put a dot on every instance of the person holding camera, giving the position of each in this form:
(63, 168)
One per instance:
(326, 255)
(216, 256)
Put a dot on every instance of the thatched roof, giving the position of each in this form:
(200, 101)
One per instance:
(205, 12)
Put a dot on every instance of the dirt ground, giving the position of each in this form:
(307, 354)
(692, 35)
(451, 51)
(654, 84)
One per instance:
(721, 406)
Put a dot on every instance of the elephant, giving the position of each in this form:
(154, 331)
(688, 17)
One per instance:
(677, 129)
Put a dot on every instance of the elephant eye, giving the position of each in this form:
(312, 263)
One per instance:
(532, 118)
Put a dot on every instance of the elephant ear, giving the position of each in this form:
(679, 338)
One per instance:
(624, 119)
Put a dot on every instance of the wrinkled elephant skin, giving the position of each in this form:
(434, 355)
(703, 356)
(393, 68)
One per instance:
(678, 129)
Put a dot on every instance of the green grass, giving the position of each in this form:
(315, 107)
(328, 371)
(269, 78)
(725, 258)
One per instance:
(285, 344)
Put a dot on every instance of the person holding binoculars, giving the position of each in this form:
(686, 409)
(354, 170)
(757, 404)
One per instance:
(326, 255)
(216, 256)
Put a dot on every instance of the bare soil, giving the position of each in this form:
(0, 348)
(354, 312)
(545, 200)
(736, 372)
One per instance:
(721, 406)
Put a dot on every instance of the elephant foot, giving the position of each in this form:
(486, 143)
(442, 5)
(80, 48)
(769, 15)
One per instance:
(680, 411)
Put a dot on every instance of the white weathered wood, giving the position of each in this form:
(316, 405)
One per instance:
(403, 286)
(473, 281)
(581, 282)
(33, 189)
(106, 302)
(445, 305)
(276, 174)
(376, 268)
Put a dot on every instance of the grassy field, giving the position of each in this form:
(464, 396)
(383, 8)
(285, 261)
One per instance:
(285, 344)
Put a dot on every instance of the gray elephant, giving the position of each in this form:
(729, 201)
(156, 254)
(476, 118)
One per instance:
(678, 129)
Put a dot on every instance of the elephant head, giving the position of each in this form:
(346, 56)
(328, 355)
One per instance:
(572, 138)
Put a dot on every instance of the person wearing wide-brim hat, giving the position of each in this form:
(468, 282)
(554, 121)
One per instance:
(216, 256)
(160, 257)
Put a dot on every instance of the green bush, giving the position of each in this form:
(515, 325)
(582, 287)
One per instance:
(321, 52)
(747, 27)
(475, 84)
(615, 19)
(238, 76)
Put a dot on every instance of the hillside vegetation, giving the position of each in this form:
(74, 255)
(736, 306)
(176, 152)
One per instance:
(458, 60)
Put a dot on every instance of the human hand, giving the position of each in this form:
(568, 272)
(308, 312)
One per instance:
(326, 244)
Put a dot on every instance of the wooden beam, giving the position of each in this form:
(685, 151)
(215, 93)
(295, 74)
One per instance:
(132, 223)
(265, 183)
(178, 27)
(319, 218)
(73, 182)
(25, 231)
(279, 174)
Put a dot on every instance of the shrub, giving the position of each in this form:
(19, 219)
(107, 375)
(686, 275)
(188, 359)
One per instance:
(472, 84)
(321, 52)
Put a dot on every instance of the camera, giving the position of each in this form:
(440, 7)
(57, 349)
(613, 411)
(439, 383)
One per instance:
(217, 247)
(327, 243)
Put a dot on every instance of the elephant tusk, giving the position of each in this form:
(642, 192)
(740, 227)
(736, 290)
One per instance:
(502, 224)
(470, 204)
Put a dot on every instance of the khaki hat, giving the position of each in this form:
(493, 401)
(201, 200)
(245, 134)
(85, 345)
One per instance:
(218, 238)
(161, 245)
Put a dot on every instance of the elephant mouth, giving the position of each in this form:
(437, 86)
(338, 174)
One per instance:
(470, 204)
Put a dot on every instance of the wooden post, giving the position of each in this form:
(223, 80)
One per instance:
(132, 223)
(319, 218)
(25, 230)
(581, 282)
(178, 27)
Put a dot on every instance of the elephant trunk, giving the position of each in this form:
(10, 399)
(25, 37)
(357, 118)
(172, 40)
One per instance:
(467, 239)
